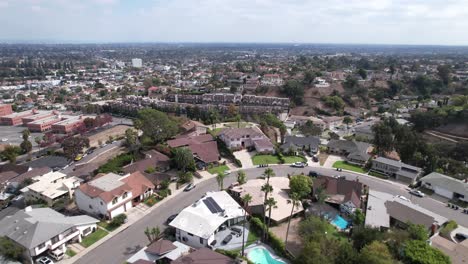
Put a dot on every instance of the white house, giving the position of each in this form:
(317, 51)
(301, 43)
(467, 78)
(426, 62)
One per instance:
(239, 138)
(43, 229)
(198, 223)
(272, 80)
(51, 187)
(112, 194)
(446, 186)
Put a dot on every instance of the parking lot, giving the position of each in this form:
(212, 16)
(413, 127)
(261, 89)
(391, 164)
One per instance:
(11, 135)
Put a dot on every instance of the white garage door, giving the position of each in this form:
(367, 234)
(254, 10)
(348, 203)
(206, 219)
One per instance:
(118, 211)
(443, 192)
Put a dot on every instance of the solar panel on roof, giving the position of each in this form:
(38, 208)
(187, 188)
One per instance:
(209, 205)
(214, 204)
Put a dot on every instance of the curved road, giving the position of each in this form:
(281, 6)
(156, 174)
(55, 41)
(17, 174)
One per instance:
(120, 247)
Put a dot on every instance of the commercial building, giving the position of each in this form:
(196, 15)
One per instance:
(5, 109)
(137, 63)
(43, 124)
(15, 119)
(70, 124)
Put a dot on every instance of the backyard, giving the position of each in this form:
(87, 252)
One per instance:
(265, 159)
(347, 166)
(93, 238)
(218, 169)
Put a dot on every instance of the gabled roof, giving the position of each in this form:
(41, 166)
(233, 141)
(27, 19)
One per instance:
(344, 190)
(154, 158)
(185, 141)
(355, 149)
(294, 141)
(204, 256)
(240, 132)
(160, 247)
(446, 182)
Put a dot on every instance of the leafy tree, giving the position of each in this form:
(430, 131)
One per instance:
(294, 90)
(241, 177)
(312, 228)
(417, 232)
(72, 146)
(309, 129)
(358, 217)
(376, 253)
(300, 185)
(156, 125)
(153, 234)
(183, 159)
(350, 83)
(89, 122)
(294, 201)
(131, 140)
(443, 71)
(10, 249)
(347, 120)
(347, 254)
(185, 176)
(26, 146)
(383, 137)
(11, 152)
(362, 73)
(363, 236)
(334, 102)
(419, 252)
(309, 77)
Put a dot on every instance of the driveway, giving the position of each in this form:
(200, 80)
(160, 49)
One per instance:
(331, 160)
(245, 158)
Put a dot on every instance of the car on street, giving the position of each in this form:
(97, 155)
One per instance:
(227, 239)
(403, 198)
(44, 260)
(313, 174)
(339, 169)
(417, 193)
(17, 198)
(227, 172)
(4, 139)
(315, 158)
(78, 157)
(342, 177)
(299, 165)
(189, 187)
(170, 218)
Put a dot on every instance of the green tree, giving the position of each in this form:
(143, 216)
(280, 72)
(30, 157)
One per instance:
(363, 236)
(347, 120)
(185, 177)
(220, 180)
(11, 153)
(153, 234)
(183, 159)
(443, 71)
(26, 145)
(358, 218)
(309, 129)
(313, 228)
(294, 90)
(294, 200)
(10, 249)
(241, 177)
(300, 185)
(383, 138)
(417, 232)
(246, 200)
(156, 125)
(419, 252)
(73, 146)
(362, 73)
(376, 253)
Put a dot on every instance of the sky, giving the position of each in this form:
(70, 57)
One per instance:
(431, 22)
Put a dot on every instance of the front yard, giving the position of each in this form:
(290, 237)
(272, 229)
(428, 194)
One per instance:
(347, 166)
(219, 169)
(93, 237)
(292, 159)
(265, 159)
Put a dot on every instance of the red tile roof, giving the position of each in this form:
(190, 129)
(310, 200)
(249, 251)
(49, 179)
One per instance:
(138, 183)
(160, 247)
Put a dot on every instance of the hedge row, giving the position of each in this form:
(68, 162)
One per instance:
(257, 226)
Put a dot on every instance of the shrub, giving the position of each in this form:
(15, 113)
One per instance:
(150, 170)
(257, 226)
(448, 228)
(165, 184)
(229, 253)
(280, 157)
(118, 220)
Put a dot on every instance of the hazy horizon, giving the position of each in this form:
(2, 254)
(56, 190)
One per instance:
(347, 22)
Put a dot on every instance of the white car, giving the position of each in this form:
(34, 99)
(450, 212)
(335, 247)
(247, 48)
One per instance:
(44, 260)
(417, 193)
(4, 139)
(403, 198)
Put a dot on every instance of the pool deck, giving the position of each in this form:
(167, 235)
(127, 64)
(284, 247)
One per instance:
(270, 250)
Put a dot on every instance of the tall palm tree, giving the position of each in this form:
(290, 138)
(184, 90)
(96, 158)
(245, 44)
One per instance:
(268, 173)
(294, 200)
(220, 179)
(266, 188)
(270, 204)
(246, 199)
(241, 177)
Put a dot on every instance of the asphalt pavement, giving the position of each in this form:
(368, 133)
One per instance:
(120, 247)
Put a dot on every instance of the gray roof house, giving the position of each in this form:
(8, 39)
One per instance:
(446, 186)
(355, 151)
(401, 171)
(300, 143)
(41, 229)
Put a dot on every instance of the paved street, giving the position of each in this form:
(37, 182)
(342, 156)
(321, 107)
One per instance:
(123, 245)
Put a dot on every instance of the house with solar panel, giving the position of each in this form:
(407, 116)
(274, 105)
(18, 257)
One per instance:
(198, 224)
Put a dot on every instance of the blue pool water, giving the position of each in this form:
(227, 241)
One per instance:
(262, 256)
(340, 222)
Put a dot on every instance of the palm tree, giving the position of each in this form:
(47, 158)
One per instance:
(268, 173)
(220, 179)
(266, 188)
(246, 199)
(241, 177)
(294, 202)
(155, 233)
(148, 234)
(270, 204)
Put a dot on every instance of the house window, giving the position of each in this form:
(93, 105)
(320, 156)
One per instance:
(190, 234)
(40, 246)
(125, 194)
(115, 200)
(90, 207)
(201, 241)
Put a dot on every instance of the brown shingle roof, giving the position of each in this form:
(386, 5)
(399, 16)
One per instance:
(185, 141)
(406, 214)
(351, 190)
(157, 159)
(138, 183)
(160, 247)
(204, 256)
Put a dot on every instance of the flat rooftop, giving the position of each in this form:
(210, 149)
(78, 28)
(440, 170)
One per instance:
(107, 182)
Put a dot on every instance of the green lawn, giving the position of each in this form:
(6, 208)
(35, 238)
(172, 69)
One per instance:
(265, 159)
(93, 237)
(107, 226)
(292, 159)
(346, 166)
(220, 169)
(70, 252)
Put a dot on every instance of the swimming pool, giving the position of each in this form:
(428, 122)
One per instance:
(261, 255)
(340, 222)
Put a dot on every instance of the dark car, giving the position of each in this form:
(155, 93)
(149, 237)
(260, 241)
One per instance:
(189, 187)
(170, 218)
(226, 239)
(236, 231)
(313, 174)
(315, 159)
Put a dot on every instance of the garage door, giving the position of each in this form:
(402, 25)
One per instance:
(117, 211)
(443, 192)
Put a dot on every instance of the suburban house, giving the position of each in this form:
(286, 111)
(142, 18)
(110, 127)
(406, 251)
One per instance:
(333, 121)
(397, 169)
(343, 193)
(161, 251)
(193, 128)
(11, 179)
(203, 147)
(298, 121)
(299, 144)
(111, 194)
(385, 210)
(40, 230)
(204, 256)
(280, 194)
(272, 80)
(239, 138)
(446, 186)
(356, 152)
(364, 130)
(153, 160)
(198, 224)
(51, 187)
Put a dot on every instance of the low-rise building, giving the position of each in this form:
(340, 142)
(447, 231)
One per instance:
(272, 80)
(239, 138)
(43, 124)
(111, 194)
(198, 223)
(5, 109)
(446, 186)
(297, 144)
(15, 119)
(203, 147)
(160, 251)
(397, 169)
(51, 187)
(204, 256)
(40, 230)
(356, 152)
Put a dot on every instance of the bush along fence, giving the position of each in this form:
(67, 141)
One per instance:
(258, 227)
(226, 152)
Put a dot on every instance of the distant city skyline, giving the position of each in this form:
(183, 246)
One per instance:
(407, 22)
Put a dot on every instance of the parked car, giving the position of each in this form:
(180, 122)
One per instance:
(313, 174)
(78, 157)
(171, 218)
(339, 169)
(236, 231)
(44, 260)
(4, 139)
(227, 172)
(189, 187)
(341, 177)
(299, 164)
(227, 239)
(403, 198)
(17, 198)
(315, 159)
(417, 193)
(56, 254)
